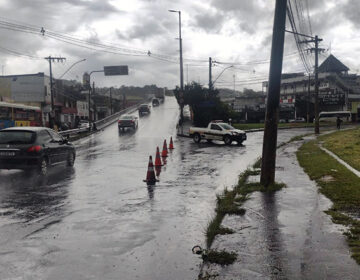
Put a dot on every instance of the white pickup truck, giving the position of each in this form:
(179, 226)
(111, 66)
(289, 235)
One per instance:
(218, 131)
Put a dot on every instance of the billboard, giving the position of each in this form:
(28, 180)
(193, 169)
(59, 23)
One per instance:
(28, 88)
(116, 70)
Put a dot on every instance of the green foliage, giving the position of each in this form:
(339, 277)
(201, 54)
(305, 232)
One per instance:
(220, 257)
(204, 103)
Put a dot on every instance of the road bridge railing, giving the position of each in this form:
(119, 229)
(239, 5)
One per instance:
(100, 124)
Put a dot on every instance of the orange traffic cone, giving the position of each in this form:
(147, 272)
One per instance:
(157, 170)
(157, 158)
(165, 150)
(171, 145)
(150, 176)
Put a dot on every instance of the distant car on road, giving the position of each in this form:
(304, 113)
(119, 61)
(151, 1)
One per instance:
(34, 148)
(84, 124)
(144, 109)
(127, 121)
(155, 102)
(297, 120)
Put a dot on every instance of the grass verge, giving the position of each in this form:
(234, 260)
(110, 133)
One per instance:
(348, 150)
(230, 201)
(343, 188)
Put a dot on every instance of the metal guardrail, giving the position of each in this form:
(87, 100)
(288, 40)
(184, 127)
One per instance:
(100, 124)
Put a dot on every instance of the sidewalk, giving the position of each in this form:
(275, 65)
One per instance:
(285, 235)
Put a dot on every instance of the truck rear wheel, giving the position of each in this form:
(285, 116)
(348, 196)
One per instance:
(227, 140)
(197, 138)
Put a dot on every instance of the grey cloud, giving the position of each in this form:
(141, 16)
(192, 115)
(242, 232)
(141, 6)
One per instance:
(210, 22)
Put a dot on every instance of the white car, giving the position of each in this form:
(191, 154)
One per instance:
(218, 130)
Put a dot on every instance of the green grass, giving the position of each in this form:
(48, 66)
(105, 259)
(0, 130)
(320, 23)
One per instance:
(219, 257)
(345, 144)
(230, 201)
(343, 190)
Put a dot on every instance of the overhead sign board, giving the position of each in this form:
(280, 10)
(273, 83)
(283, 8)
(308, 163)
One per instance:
(116, 70)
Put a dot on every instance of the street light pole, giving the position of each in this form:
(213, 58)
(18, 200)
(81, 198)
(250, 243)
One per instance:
(71, 67)
(181, 69)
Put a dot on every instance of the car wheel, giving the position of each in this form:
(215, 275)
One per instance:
(197, 138)
(239, 143)
(227, 140)
(43, 167)
(71, 159)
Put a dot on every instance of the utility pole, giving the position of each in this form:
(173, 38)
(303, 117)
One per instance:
(316, 107)
(210, 76)
(308, 101)
(273, 95)
(181, 72)
(234, 82)
(53, 59)
(111, 101)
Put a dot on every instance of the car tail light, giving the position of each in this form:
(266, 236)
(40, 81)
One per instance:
(34, 149)
(132, 120)
(119, 121)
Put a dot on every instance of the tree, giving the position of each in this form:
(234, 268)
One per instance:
(204, 103)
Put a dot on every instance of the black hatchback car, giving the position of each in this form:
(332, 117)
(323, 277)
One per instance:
(34, 148)
(144, 109)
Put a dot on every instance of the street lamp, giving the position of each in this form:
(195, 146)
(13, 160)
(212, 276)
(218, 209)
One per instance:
(181, 69)
(221, 74)
(71, 67)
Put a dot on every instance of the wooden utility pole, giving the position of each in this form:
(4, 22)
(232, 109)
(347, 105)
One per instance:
(273, 95)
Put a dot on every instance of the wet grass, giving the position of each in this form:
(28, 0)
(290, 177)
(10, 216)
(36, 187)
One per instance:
(343, 190)
(220, 257)
(230, 201)
(345, 144)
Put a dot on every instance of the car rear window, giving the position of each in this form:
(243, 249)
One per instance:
(17, 137)
(126, 118)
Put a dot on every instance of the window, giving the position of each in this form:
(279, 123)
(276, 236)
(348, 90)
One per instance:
(44, 136)
(16, 137)
(215, 127)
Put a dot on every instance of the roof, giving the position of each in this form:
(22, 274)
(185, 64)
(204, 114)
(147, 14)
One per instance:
(332, 64)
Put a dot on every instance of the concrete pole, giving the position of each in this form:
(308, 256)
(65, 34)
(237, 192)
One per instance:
(316, 107)
(273, 95)
(210, 75)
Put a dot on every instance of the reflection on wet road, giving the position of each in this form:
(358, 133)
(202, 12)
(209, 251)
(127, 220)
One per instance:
(100, 221)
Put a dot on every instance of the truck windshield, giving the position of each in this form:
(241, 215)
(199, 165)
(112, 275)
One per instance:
(226, 126)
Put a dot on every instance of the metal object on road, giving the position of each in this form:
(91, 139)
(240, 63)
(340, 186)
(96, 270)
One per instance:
(164, 153)
(171, 145)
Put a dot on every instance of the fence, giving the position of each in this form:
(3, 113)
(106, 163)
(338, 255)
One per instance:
(100, 124)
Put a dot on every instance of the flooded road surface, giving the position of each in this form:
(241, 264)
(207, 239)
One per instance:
(99, 220)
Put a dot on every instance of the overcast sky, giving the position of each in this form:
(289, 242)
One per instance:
(234, 31)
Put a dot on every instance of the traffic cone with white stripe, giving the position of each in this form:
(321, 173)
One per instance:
(171, 145)
(150, 176)
(157, 158)
(165, 150)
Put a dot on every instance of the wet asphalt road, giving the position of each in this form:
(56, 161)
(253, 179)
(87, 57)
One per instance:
(99, 220)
